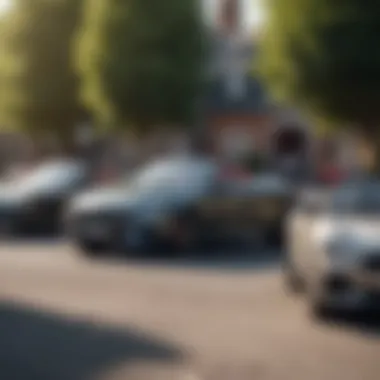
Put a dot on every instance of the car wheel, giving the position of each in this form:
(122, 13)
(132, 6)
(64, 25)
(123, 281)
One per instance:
(141, 241)
(294, 282)
(274, 238)
(318, 308)
(91, 249)
(187, 236)
(10, 228)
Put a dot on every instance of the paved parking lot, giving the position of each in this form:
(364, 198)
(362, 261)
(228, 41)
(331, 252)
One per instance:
(64, 317)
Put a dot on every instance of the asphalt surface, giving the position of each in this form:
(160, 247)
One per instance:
(65, 318)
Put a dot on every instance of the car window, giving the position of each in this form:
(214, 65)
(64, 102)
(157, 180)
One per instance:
(154, 176)
(171, 175)
(358, 199)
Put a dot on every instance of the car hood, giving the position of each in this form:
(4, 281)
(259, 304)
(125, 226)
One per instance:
(104, 198)
(145, 206)
(362, 231)
(11, 195)
(15, 193)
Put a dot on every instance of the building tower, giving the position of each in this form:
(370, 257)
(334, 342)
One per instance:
(233, 47)
(229, 16)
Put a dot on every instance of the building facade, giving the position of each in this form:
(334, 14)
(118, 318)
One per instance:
(241, 119)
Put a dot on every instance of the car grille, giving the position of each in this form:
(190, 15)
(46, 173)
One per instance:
(42, 212)
(114, 222)
(45, 207)
(51, 206)
(372, 263)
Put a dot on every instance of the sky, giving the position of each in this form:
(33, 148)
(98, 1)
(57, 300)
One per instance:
(253, 11)
(4, 5)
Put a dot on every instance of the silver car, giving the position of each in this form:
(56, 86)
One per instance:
(333, 248)
(153, 208)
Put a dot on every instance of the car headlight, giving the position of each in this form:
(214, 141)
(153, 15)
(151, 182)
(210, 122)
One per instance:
(343, 252)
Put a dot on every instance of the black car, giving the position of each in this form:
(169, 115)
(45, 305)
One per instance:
(34, 201)
(176, 205)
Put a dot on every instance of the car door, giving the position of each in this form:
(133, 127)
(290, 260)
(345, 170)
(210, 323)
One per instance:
(212, 208)
(226, 212)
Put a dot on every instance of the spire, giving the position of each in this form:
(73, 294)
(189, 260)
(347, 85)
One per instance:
(229, 18)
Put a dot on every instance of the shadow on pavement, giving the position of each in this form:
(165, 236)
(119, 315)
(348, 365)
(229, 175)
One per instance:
(36, 345)
(222, 258)
(44, 241)
(362, 322)
(236, 261)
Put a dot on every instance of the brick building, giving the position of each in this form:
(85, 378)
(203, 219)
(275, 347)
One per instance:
(240, 117)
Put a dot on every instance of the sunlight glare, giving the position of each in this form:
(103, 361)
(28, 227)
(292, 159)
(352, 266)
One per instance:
(5, 5)
(253, 17)
(256, 14)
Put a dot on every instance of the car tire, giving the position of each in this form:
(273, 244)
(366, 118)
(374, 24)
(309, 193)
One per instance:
(188, 223)
(11, 229)
(318, 308)
(91, 249)
(148, 243)
(274, 238)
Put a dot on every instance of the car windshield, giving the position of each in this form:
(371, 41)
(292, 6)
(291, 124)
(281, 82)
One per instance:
(167, 174)
(52, 174)
(357, 199)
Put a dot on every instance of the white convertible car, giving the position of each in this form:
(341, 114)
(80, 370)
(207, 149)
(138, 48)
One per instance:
(333, 248)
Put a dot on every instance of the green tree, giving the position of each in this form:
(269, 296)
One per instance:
(38, 82)
(324, 56)
(142, 62)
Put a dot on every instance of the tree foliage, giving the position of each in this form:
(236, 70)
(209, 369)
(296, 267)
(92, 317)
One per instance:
(38, 82)
(142, 61)
(325, 56)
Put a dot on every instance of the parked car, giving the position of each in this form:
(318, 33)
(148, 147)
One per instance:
(174, 204)
(333, 248)
(32, 202)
